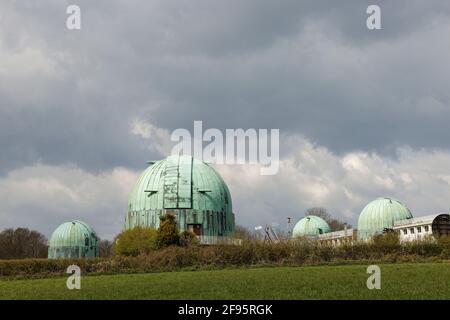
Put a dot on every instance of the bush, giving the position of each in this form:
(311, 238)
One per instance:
(444, 241)
(251, 253)
(136, 241)
(167, 234)
(187, 238)
(387, 242)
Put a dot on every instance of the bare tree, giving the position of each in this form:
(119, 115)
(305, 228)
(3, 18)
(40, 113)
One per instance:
(106, 248)
(318, 212)
(335, 224)
(241, 232)
(22, 243)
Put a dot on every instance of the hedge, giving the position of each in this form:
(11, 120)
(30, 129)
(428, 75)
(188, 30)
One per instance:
(224, 256)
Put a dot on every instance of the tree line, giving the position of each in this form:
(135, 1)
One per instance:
(335, 224)
(22, 243)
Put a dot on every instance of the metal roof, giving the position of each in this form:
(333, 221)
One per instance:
(179, 182)
(73, 233)
(381, 214)
(416, 221)
(310, 226)
(337, 234)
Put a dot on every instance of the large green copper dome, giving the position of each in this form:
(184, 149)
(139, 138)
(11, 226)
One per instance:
(310, 226)
(186, 187)
(379, 215)
(73, 239)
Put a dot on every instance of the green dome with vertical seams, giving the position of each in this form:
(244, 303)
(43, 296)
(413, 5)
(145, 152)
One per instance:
(186, 187)
(310, 226)
(73, 239)
(380, 215)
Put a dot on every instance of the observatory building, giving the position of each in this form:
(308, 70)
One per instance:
(422, 227)
(188, 188)
(336, 238)
(73, 239)
(379, 216)
(310, 226)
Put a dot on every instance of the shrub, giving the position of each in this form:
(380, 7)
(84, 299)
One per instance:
(444, 241)
(167, 234)
(187, 238)
(250, 253)
(387, 242)
(136, 241)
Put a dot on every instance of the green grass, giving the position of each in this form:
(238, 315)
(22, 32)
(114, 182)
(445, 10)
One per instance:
(398, 281)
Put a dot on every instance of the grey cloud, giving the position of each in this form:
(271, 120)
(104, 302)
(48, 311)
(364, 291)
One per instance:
(42, 197)
(311, 175)
(307, 67)
(310, 68)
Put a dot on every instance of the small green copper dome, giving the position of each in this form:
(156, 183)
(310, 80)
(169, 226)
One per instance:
(310, 226)
(189, 188)
(73, 239)
(379, 215)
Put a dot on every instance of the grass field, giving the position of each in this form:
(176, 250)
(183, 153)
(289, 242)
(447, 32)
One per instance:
(398, 281)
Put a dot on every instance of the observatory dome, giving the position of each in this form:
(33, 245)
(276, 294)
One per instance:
(186, 187)
(310, 226)
(379, 215)
(73, 239)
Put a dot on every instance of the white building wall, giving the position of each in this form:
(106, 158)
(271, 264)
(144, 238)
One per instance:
(415, 232)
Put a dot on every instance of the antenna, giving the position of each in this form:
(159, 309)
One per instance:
(289, 232)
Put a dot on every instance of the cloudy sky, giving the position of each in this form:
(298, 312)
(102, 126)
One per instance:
(361, 113)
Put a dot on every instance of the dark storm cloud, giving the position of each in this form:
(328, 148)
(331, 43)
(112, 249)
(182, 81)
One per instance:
(308, 67)
(69, 99)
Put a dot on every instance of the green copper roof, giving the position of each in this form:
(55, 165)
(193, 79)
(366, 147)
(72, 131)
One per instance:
(178, 183)
(73, 239)
(310, 226)
(381, 214)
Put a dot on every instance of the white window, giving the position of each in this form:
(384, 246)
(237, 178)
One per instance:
(405, 231)
(411, 230)
(426, 228)
(419, 229)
